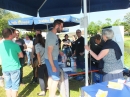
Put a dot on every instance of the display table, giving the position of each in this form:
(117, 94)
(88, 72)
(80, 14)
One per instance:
(64, 81)
(90, 91)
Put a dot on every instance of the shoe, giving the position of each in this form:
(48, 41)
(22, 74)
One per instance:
(41, 94)
(33, 82)
(21, 83)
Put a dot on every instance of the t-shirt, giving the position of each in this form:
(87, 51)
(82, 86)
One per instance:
(52, 40)
(96, 48)
(9, 55)
(28, 43)
(79, 46)
(20, 42)
(0, 57)
(73, 46)
(41, 50)
(65, 41)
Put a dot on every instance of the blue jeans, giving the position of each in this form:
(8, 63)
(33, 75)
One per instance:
(80, 62)
(29, 57)
(12, 79)
(66, 50)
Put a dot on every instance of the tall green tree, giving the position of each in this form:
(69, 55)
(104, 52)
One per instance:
(4, 17)
(93, 28)
(127, 18)
(117, 22)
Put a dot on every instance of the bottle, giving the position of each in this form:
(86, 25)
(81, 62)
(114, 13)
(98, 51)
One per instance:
(68, 62)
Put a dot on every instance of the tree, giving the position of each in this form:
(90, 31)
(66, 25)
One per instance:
(93, 28)
(127, 18)
(117, 22)
(4, 17)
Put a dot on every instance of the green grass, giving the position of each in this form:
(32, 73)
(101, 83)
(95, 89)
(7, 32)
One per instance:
(127, 43)
(31, 90)
(127, 51)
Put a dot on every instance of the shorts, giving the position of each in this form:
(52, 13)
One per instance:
(54, 75)
(12, 80)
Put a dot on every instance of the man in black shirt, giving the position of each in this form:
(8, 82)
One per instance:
(79, 50)
(96, 44)
(23, 46)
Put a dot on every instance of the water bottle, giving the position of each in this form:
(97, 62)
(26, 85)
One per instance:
(68, 62)
(128, 79)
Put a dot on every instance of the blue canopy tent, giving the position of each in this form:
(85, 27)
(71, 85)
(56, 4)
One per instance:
(61, 7)
(42, 23)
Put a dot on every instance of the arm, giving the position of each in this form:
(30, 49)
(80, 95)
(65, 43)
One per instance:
(102, 54)
(18, 51)
(50, 58)
(24, 45)
(20, 55)
(39, 59)
(37, 49)
(69, 44)
(33, 50)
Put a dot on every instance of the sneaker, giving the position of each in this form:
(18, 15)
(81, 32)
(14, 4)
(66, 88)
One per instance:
(41, 93)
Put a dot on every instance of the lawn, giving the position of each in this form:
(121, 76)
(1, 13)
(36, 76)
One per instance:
(31, 90)
(127, 51)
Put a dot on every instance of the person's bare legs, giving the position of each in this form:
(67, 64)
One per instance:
(14, 93)
(8, 93)
(49, 82)
(53, 88)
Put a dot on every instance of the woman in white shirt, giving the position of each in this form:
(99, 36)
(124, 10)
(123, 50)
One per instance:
(29, 44)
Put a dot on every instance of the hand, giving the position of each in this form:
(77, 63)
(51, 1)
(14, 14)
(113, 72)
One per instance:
(81, 54)
(73, 55)
(87, 47)
(39, 65)
(54, 69)
(33, 56)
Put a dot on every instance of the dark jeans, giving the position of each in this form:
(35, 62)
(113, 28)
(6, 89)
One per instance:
(80, 62)
(21, 69)
(43, 77)
(67, 51)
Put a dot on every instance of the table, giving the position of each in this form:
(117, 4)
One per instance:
(64, 81)
(92, 90)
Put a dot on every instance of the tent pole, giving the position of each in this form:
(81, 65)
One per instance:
(47, 28)
(85, 33)
(40, 8)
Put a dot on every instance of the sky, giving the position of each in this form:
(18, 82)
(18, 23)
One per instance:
(94, 16)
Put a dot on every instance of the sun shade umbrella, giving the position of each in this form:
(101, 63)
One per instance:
(42, 23)
(61, 7)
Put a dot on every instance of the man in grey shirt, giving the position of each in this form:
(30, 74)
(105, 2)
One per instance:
(51, 57)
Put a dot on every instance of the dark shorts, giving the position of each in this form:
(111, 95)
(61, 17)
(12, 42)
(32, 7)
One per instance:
(54, 75)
